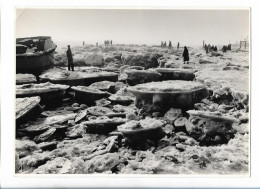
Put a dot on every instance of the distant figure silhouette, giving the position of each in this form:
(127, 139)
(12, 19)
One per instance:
(178, 45)
(111, 42)
(96, 44)
(161, 44)
(170, 44)
(185, 55)
(70, 59)
(83, 43)
(212, 48)
(165, 44)
(209, 47)
(206, 49)
(224, 49)
(229, 47)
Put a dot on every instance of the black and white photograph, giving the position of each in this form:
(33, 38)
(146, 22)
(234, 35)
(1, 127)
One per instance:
(132, 91)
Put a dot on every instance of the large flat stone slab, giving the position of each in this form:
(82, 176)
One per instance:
(47, 91)
(175, 74)
(133, 76)
(103, 124)
(168, 94)
(27, 108)
(137, 132)
(109, 86)
(25, 79)
(88, 95)
(74, 78)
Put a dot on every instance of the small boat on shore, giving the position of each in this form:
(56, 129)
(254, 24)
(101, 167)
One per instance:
(34, 54)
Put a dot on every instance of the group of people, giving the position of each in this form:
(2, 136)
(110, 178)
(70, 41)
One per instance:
(108, 42)
(96, 43)
(226, 47)
(208, 48)
(164, 44)
(71, 64)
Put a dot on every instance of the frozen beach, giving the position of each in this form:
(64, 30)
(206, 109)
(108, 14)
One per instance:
(136, 109)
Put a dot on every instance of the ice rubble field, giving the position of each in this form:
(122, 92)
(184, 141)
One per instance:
(173, 155)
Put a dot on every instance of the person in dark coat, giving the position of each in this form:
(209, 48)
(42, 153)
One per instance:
(185, 55)
(207, 49)
(170, 44)
(224, 49)
(212, 48)
(178, 45)
(229, 47)
(70, 59)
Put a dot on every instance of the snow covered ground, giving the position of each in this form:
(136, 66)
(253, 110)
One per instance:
(227, 78)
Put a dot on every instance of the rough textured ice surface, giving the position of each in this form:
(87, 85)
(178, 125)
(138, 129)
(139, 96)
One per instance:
(177, 125)
(25, 78)
(23, 105)
(169, 86)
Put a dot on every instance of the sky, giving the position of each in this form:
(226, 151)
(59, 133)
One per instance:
(134, 26)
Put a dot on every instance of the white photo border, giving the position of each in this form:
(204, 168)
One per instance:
(8, 179)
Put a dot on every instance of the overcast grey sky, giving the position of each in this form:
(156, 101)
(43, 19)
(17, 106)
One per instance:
(134, 26)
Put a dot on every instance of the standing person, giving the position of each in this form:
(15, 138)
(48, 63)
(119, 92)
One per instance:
(229, 47)
(111, 42)
(96, 44)
(212, 48)
(185, 55)
(224, 49)
(206, 49)
(170, 44)
(209, 47)
(165, 44)
(161, 44)
(83, 43)
(178, 45)
(70, 59)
